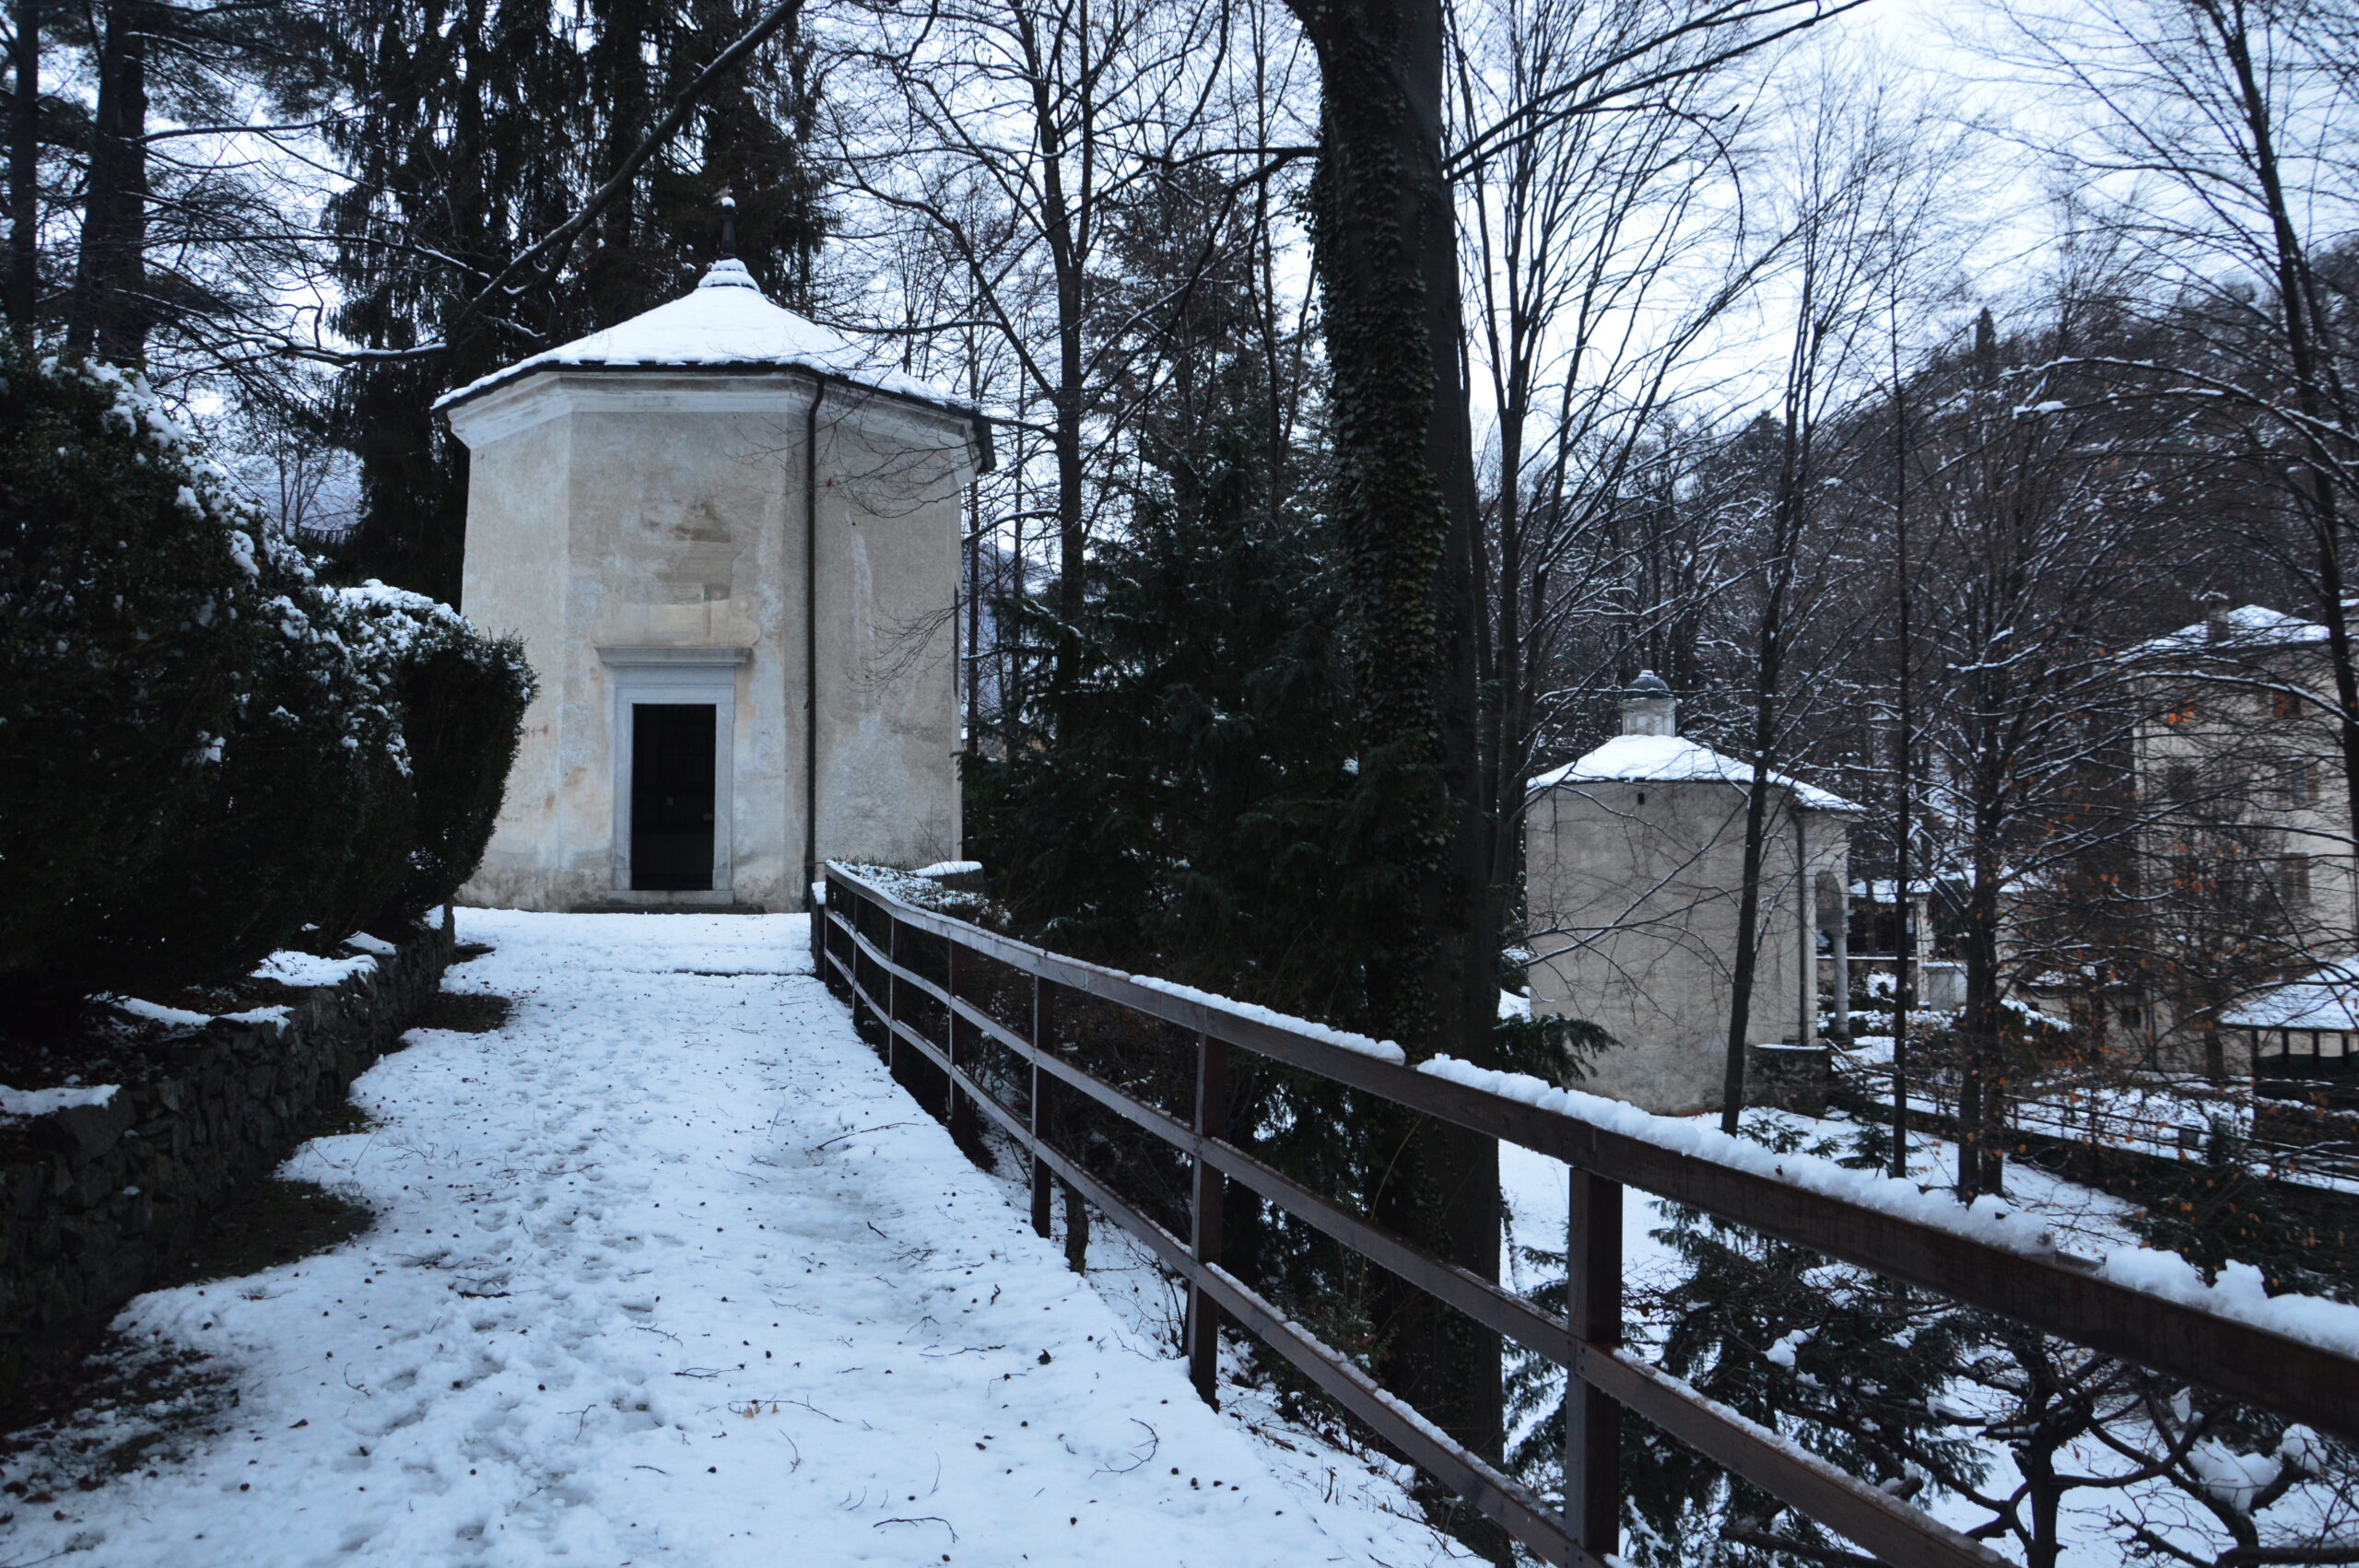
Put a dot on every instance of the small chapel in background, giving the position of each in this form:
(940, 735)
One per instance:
(1633, 860)
(731, 552)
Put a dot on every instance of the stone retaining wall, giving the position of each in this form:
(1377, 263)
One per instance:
(92, 1198)
(1789, 1078)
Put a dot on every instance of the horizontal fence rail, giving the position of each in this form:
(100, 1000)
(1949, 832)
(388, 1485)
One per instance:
(2056, 1294)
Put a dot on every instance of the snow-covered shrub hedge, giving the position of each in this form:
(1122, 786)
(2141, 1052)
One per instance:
(128, 636)
(463, 698)
(206, 753)
(456, 698)
(259, 856)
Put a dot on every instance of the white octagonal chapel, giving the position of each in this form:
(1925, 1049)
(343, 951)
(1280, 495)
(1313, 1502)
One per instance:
(732, 555)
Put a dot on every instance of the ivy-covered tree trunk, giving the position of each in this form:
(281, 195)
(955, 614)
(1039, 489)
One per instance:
(1428, 913)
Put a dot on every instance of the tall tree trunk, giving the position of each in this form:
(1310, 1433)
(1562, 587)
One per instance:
(1063, 215)
(110, 314)
(1981, 1103)
(2309, 364)
(1747, 967)
(1386, 247)
(1769, 658)
(1904, 754)
(24, 173)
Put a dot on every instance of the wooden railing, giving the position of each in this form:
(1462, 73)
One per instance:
(952, 1018)
(2085, 1114)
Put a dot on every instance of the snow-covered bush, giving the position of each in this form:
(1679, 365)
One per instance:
(204, 753)
(457, 699)
(129, 634)
(462, 708)
(259, 856)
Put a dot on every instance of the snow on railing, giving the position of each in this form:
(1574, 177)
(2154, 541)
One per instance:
(973, 988)
(2329, 1325)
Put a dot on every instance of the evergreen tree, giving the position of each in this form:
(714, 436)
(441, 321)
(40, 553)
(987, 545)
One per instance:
(476, 131)
(1183, 825)
(174, 257)
(1847, 1364)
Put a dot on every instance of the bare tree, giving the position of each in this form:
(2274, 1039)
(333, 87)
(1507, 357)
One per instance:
(24, 169)
(1598, 257)
(1014, 131)
(2216, 141)
(1869, 179)
(2040, 524)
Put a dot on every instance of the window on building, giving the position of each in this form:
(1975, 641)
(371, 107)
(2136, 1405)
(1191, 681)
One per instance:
(2294, 880)
(2285, 704)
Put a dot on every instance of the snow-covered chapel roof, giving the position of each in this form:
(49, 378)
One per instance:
(1674, 759)
(724, 323)
(2252, 627)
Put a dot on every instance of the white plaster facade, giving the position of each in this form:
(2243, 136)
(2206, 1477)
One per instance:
(1632, 872)
(640, 512)
(2240, 735)
(2240, 770)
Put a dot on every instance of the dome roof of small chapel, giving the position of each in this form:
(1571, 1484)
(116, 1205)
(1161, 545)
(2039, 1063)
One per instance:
(724, 323)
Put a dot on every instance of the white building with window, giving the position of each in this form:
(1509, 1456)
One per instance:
(2239, 755)
(2248, 859)
(732, 550)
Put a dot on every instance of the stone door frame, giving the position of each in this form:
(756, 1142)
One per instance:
(689, 677)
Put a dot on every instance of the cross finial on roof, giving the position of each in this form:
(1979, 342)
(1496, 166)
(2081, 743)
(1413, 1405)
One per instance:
(728, 222)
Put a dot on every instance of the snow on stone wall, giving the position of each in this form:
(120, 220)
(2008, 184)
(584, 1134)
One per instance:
(98, 1188)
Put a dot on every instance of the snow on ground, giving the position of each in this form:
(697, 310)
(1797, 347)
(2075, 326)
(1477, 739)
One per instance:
(47, 1101)
(667, 1271)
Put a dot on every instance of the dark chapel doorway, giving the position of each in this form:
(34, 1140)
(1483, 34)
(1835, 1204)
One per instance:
(671, 796)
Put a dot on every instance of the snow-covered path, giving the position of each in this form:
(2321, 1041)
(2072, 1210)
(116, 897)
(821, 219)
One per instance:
(667, 1271)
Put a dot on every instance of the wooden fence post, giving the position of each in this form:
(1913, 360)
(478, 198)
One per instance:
(892, 985)
(823, 940)
(950, 1116)
(1076, 1230)
(1076, 1211)
(1204, 1213)
(1593, 1422)
(1040, 1119)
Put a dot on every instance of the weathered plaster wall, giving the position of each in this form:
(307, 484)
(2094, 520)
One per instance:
(1634, 892)
(888, 575)
(666, 510)
(94, 1198)
(513, 580)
